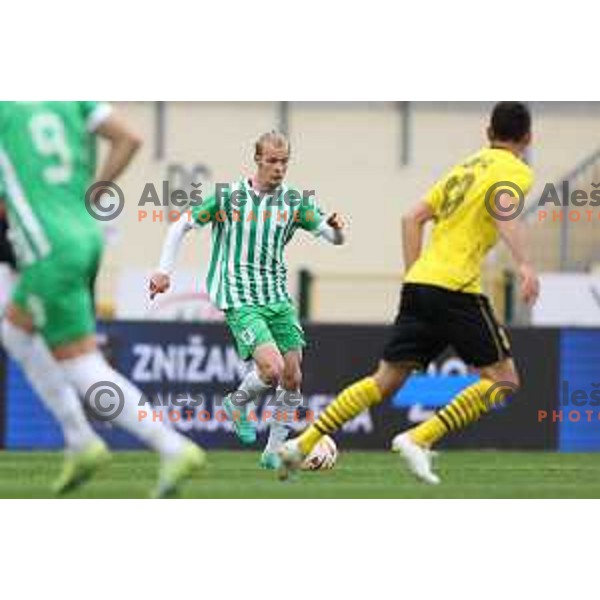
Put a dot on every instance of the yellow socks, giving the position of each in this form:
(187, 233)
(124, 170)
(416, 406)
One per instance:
(349, 404)
(465, 409)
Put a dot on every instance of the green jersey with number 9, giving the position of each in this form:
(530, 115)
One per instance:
(47, 163)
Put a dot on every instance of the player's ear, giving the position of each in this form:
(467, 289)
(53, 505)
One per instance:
(490, 133)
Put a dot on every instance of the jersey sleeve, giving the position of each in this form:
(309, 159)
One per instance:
(206, 212)
(519, 180)
(523, 178)
(435, 196)
(95, 113)
(310, 215)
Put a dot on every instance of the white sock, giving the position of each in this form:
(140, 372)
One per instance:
(48, 380)
(252, 386)
(279, 422)
(7, 283)
(89, 369)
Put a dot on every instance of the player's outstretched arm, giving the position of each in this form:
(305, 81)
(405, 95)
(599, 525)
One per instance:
(413, 225)
(332, 229)
(514, 236)
(160, 281)
(124, 143)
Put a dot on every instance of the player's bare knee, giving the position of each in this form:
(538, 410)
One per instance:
(271, 371)
(514, 380)
(390, 377)
(292, 381)
(19, 318)
(507, 374)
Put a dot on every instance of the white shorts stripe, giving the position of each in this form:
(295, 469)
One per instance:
(19, 202)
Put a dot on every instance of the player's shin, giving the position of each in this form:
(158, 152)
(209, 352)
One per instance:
(240, 408)
(251, 387)
(282, 416)
(348, 405)
(48, 380)
(92, 369)
(278, 430)
(466, 408)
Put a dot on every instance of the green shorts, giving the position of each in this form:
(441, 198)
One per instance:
(58, 292)
(253, 326)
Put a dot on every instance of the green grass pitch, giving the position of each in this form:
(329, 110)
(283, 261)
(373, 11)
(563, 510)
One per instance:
(484, 474)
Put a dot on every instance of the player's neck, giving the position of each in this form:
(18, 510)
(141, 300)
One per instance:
(260, 186)
(508, 146)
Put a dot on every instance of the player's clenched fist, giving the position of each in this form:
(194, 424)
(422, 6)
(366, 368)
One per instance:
(159, 284)
(336, 221)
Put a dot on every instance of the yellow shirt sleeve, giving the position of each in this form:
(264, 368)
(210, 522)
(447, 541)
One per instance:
(435, 196)
(517, 178)
(524, 179)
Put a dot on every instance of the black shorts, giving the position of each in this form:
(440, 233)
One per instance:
(432, 318)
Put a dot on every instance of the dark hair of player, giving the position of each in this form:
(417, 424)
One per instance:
(511, 122)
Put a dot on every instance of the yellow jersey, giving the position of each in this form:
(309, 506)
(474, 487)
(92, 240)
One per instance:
(464, 230)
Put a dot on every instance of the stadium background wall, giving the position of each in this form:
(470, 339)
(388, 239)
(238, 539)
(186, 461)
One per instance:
(169, 358)
(351, 154)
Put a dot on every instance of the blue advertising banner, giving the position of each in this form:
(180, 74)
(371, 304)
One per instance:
(578, 403)
(28, 425)
(516, 426)
(174, 361)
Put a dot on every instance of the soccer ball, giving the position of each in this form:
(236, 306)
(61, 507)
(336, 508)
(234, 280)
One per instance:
(323, 456)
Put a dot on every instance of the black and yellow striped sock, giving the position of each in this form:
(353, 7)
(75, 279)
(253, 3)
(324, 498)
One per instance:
(466, 408)
(349, 404)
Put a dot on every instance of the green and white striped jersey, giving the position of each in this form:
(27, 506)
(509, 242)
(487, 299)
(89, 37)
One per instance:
(249, 234)
(47, 162)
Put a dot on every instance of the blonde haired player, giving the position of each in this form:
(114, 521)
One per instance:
(442, 302)
(252, 221)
